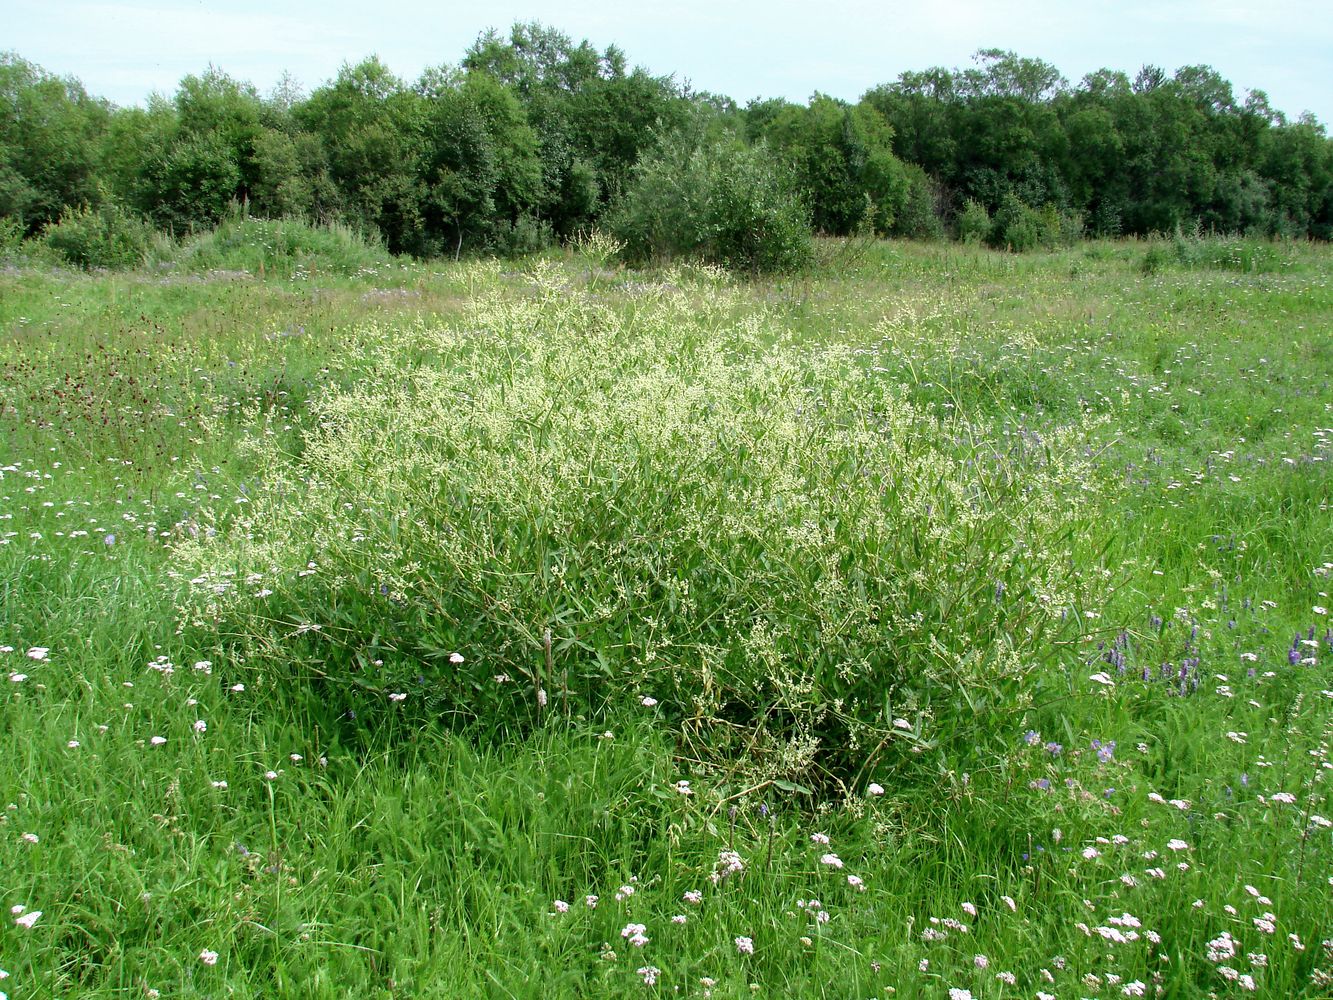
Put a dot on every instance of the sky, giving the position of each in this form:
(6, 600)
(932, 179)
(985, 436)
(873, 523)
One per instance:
(743, 49)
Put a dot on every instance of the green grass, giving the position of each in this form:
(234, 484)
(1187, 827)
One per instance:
(517, 448)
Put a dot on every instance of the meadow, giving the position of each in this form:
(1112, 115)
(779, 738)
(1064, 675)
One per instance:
(940, 623)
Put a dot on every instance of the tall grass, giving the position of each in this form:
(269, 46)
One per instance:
(280, 248)
(765, 538)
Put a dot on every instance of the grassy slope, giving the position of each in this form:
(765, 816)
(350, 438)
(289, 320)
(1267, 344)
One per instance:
(412, 863)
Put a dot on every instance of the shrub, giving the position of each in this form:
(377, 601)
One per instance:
(1017, 227)
(1222, 253)
(974, 223)
(281, 248)
(715, 200)
(1157, 256)
(11, 236)
(1060, 228)
(919, 218)
(600, 507)
(1229, 253)
(525, 236)
(106, 236)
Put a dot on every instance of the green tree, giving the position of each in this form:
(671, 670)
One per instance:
(842, 158)
(716, 199)
(371, 128)
(50, 131)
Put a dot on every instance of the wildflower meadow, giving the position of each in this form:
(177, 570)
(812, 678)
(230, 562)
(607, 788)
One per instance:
(937, 623)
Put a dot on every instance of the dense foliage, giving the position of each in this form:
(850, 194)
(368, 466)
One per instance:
(716, 200)
(532, 138)
(1149, 154)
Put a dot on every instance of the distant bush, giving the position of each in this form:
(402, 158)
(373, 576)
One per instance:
(1158, 256)
(1017, 227)
(1195, 251)
(106, 236)
(281, 248)
(1229, 253)
(1061, 229)
(527, 235)
(11, 236)
(779, 549)
(919, 218)
(714, 200)
(974, 223)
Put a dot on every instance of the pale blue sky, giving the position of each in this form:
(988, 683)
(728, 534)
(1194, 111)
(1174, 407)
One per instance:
(777, 48)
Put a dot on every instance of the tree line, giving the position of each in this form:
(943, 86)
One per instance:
(532, 138)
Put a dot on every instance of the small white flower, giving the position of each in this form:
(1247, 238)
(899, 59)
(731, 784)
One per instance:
(157, 741)
(455, 658)
(832, 860)
(28, 919)
(38, 653)
(31, 838)
(200, 726)
(208, 957)
(561, 906)
(745, 945)
(634, 933)
(648, 701)
(874, 789)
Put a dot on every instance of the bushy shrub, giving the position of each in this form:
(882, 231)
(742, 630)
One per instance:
(1060, 228)
(1017, 226)
(525, 236)
(11, 236)
(1196, 250)
(1229, 253)
(593, 508)
(974, 223)
(1156, 257)
(919, 218)
(281, 248)
(106, 236)
(715, 200)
